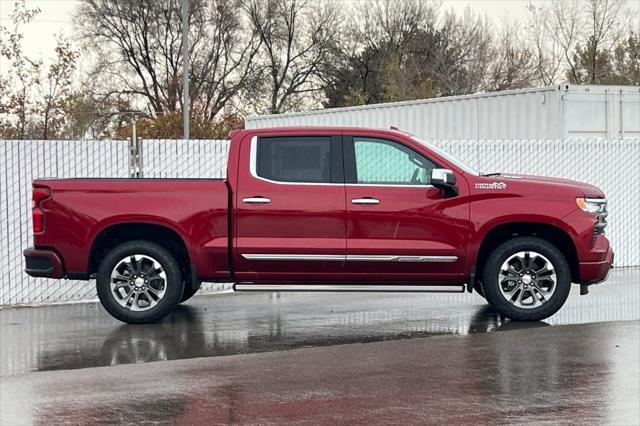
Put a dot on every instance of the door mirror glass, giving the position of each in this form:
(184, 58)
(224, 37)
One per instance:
(445, 180)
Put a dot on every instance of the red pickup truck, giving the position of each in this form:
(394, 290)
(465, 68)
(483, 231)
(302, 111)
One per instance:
(324, 209)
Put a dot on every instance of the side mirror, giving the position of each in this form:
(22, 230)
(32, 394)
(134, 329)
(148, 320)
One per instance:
(445, 180)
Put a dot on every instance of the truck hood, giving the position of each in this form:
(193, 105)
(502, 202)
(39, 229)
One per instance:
(585, 189)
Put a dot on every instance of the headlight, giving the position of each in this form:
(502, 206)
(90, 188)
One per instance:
(592, 205)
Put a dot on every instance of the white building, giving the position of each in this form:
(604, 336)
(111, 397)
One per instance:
(556, 112)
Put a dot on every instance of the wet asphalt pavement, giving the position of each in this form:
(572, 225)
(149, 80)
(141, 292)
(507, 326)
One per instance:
(327, 358)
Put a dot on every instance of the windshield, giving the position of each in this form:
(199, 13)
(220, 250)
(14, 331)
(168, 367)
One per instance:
(465, 167)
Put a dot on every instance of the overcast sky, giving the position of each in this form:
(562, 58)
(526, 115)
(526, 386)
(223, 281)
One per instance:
(56, 17)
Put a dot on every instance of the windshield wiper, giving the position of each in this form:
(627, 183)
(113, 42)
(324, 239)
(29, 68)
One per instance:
(490, 174)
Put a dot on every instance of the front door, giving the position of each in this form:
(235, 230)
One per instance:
(399, 227)
(290, 212)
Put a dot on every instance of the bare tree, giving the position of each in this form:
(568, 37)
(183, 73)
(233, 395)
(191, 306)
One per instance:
(608, 23)
(399, 50)
(297, 38)
(396, 23)
(512, 65)
(560, 28)
(384, 54)
(548, 49)
(34, 95)
(15, 94)
(55, 88)
(141, 51)
(396, 39)
(224, 59)
(463, 56)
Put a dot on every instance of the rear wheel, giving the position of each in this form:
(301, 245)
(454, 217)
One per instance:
(139, 282)
(526, 279)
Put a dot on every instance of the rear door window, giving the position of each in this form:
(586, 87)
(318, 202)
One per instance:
(305, 159)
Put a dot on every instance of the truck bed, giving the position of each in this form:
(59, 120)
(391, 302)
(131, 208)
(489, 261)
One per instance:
(79, 211)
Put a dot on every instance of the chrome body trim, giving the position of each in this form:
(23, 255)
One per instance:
(596, 200)
(312, 257)
(256, 200)
(389, 185)
(400, 288)
(253, 161)
(365, 201)
(401, 258)
(352, 258)
(442, 175)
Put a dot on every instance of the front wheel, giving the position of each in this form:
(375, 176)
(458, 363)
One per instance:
(526, 279)
(139, 282)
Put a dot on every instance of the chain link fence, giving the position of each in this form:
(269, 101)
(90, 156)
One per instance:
(612, 165)
(25, 160)
(170, 158)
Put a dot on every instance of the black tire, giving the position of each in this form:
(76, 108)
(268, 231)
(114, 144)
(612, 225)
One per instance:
(477, 286)
(189, 291)
(501, 304)
(173, 284)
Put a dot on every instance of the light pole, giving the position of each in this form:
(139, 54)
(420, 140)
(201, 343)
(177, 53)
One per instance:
(185, 69)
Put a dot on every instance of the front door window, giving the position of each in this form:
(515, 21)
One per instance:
(382, 162)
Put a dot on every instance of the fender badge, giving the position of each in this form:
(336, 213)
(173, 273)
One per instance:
(492, 185)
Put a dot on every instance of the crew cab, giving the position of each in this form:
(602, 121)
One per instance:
(324, 209)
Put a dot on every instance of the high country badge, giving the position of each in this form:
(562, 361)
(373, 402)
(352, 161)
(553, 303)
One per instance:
(492, 185)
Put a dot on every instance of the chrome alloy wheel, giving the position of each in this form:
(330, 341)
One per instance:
(527, 279)
(138, 282)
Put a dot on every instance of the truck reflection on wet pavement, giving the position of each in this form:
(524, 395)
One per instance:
(342, 369)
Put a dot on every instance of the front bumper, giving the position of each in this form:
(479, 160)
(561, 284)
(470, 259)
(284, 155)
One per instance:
(596, 272)
(43, 263)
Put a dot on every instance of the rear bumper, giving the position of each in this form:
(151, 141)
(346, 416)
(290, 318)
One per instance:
(596, 272)
(43, 263)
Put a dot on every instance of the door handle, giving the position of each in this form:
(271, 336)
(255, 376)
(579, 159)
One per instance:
(256, 200)
(365, 200)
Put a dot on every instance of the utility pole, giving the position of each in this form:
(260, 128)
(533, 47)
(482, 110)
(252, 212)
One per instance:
(185, 69)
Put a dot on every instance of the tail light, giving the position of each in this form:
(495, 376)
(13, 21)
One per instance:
(39, 194)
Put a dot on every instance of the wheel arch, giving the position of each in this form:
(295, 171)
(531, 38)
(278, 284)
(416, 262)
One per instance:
(116, 234)
(551, 233)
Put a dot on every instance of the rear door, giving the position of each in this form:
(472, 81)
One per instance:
(290, 213)
(399, 227)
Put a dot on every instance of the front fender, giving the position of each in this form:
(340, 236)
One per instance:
(481, 231)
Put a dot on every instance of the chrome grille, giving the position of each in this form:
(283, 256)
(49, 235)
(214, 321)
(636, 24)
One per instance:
(601, 222)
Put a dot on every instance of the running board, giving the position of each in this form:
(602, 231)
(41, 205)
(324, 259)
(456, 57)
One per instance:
(400, 288)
